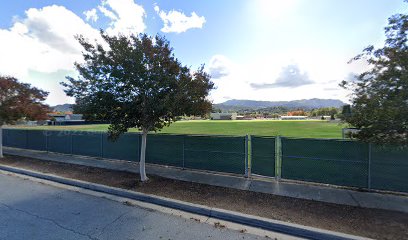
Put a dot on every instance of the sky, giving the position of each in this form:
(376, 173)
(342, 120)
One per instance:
(271, 50)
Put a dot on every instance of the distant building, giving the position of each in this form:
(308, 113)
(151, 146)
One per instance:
(57, 117)
(240, 117)
(65, 119)
(223, 116)
(325, 117)
(293, 117)
(73, 117)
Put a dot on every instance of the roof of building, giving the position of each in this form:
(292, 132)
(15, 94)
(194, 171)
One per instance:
(74, 116)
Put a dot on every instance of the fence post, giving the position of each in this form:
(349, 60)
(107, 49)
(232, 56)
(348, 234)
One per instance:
(72, 142)
(101, 144)
(2, 144)
(3, 134)
(250, 156)
(369, 167)
(184, 156)
(247, 164)
(46, 140)
(26, 141)
(278, 158)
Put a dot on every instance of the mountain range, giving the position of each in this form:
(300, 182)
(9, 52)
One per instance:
(305, 104)
(235, 104)
(63, 107)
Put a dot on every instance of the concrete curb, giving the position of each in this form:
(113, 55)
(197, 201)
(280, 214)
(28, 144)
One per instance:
(252, 221)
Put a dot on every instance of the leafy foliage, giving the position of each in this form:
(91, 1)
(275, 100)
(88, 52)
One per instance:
(136, 82)
(297, 113)
(380, 95)
(20, 101)
(329, 111)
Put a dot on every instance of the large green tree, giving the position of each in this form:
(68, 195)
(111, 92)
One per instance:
(380, 95)
(20, 101)
(327, 111)
(136, 82)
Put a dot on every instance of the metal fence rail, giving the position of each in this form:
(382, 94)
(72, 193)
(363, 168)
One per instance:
(337, 162)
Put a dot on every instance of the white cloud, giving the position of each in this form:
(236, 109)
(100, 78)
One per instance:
(290, 76)
(178, 22)
(91, 15)
(107, 13)
(51, 83)
(49, 26)
(126, 16)
(238, 83)
(43, 42)
(219, 66)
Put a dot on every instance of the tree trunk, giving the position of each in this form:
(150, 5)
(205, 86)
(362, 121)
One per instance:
(1, 141)
(142, 170)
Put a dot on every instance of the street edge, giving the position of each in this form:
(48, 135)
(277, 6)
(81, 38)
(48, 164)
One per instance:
(290, 229)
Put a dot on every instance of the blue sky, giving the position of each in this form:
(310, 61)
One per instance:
(254, 49)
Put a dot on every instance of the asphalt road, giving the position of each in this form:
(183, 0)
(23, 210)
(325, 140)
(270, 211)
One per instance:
(31, 210)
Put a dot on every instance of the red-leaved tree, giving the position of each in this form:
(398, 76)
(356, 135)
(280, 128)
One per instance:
(20, 101)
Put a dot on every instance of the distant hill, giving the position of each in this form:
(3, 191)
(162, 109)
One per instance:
(63, 108)
(306, 104)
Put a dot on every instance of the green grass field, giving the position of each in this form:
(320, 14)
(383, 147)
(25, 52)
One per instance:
(302, 129)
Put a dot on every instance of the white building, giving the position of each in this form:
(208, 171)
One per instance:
(293, 117)
(62, 119)
(66, 117)
(223, 116)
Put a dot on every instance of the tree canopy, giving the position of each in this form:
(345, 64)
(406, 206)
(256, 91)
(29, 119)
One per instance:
(136, 82)
(327, 111)
(380, 95)
(299, 112)
(20, 101)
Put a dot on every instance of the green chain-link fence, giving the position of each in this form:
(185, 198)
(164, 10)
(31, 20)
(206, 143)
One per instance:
(15, 138)
(36, 140)
(59, 141)
(87, 143)
(165, 150)
(335, 162)
(263, 156)
(389, 168)
(338, 162)
(126, 147)
(213, 153)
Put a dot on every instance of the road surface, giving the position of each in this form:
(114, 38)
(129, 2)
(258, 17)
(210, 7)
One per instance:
(32, 210)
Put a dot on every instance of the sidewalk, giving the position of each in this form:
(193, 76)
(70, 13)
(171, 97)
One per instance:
(296, 190)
